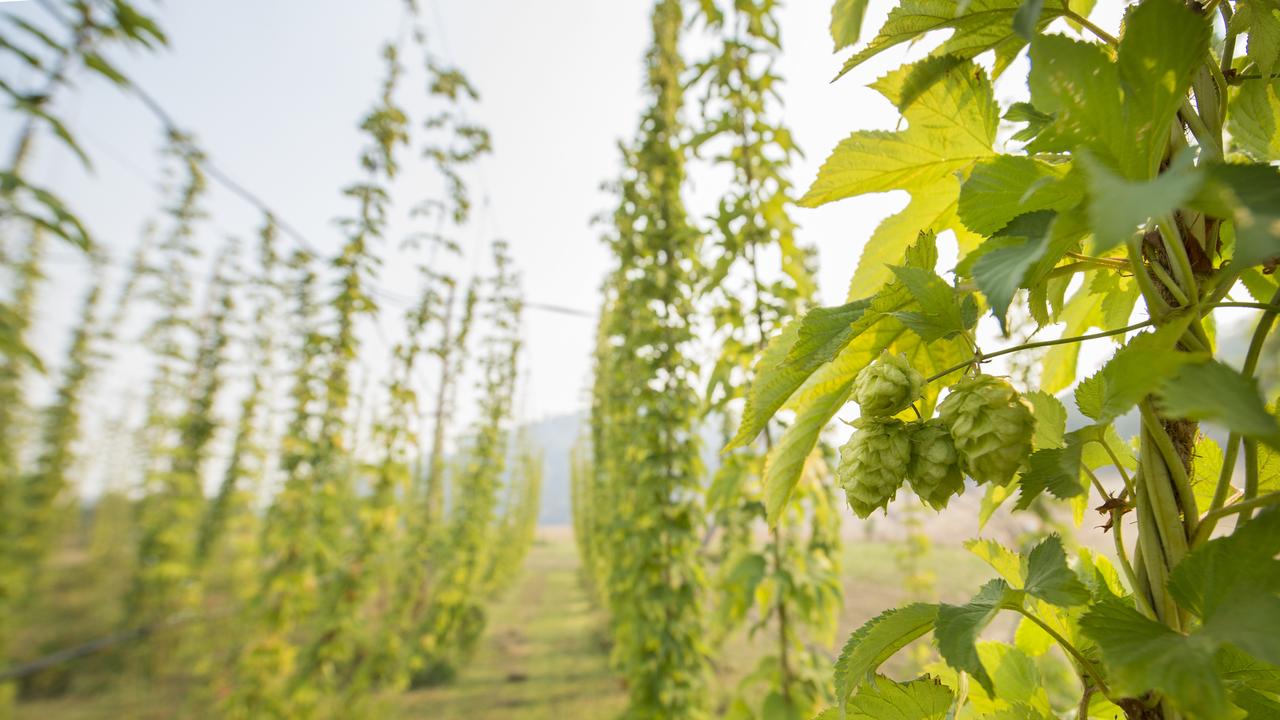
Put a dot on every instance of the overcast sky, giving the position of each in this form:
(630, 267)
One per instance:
(274, 90)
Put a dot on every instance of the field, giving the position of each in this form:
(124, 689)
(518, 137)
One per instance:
(544, 655)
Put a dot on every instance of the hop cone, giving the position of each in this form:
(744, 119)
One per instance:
(887, 386)
(873, 463)
(991, 426)
(935, 464)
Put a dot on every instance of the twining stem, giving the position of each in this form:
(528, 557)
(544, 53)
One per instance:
(1178, 255)
(1173, 463)
(1152, 554)
(1117, 534)
(1171, 285)
(1080, 659)
(1042, 343)
(1159, 486)
(1156, 303)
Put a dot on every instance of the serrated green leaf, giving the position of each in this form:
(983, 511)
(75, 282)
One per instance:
(786, 460)
(1251, 196)
(1001, 559)
(824, 332)
(1118, 207)
(1139, 368)
(846, 22)
(1216, 393)
(1233, 584)
(1089, 396)
(1000, 273)
(1206, 470)
(1020, 693)
(1264, 34)
(1054, 469)
(1006, 186)
(1113, 108)
(958, 628)
(1050, 579)
(771, 385)
(979, 25)
(950, 125)
(1164, 44)
(1268, 470)
(1144, 655)
(878, 640)
(939, 314)
(920, 699)
(1252, 120)
(1051, 419)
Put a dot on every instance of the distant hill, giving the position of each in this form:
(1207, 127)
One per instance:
(556, 436)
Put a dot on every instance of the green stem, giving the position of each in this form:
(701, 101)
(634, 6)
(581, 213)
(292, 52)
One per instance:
(1160, 492)
(1171, 285)
(1252, 305)
(1250, 475)
(1117, 534)
(1042, 343)
(1173, 463)
(1071, 650)
(1156, 304)
(1152, 554)
(1246, 506)
(1083, 22)
(1221, 491)
(1174, 248)
(1260, 336)
(1115, 460)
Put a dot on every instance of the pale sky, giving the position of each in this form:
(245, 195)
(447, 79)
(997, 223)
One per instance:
(273, 91)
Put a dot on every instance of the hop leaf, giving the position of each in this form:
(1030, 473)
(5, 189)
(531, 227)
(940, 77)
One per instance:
(991, 425)
(934, 472)
(887, 386)
(873, 463)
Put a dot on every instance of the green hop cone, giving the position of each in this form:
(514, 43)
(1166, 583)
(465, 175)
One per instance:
(934, 472)
(991, 425)
(887, 386)
(873, 463)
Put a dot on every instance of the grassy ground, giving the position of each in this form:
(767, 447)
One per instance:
(542, 656)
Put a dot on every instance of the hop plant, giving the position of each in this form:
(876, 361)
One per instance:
(887, 386)
(991, 426)
(873, 463)
(934, 472)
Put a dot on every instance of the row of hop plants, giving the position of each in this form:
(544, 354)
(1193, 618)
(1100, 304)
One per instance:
(1126, 194)
(335, 560)
(665, 544)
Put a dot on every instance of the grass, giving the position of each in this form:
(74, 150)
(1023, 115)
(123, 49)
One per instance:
(544, 654)
(542, 657)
